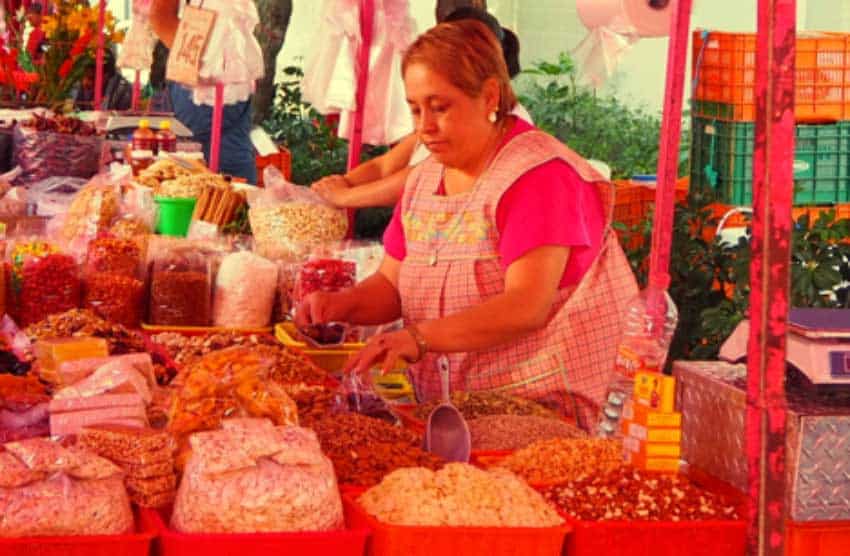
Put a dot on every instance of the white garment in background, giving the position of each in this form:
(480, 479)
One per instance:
(233, 56)
(330, 81)
(421, 152)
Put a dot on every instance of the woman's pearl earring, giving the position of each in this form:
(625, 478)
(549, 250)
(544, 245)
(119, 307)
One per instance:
(492, 117)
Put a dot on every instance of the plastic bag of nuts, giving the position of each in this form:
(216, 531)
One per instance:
(114, 284)
(287, 219)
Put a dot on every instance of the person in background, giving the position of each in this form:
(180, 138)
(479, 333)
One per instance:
(237, 150)
(380, 181)
(117, 91)
(499, 256)
(35, 41)
(157, 87)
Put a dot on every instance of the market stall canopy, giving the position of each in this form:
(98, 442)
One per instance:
(330, 77)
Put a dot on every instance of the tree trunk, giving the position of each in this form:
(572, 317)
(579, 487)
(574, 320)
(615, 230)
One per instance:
(445, 7)
(274, 21)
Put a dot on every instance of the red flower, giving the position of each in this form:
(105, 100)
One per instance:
(65, 69)
(81, 44)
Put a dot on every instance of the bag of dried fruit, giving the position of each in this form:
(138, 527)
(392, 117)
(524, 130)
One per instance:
(49, 490)
(253, 477)
(42, 280)
(114, 281)
(287, 219)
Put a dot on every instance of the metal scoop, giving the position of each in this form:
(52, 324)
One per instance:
(447, 434)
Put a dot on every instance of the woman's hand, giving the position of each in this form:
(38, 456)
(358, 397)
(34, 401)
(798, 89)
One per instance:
(322, 307)
(385, 350)
(333, 189)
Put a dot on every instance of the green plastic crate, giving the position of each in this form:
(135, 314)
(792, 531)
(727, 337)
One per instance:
(722, 160)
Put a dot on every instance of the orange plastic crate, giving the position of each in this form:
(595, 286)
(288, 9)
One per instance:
(402, 540)
(823, 538)
(724, 66)
(282, 160)
(632, 203)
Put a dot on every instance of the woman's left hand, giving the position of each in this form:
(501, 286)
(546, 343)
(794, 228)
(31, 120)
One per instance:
(385, 350)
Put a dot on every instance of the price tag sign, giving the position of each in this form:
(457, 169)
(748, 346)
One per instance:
(190, 42)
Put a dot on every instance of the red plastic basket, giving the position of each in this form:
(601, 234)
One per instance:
(724, 66)
(348, 542)
(132, 544)
(823, 538)
(401, 540)
(282, 160)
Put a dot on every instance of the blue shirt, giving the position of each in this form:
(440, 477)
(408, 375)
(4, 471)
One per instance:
(237, 152)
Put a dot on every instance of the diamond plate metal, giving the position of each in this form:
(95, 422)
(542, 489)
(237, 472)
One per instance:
(712, 400)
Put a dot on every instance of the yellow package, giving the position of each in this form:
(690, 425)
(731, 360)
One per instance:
(647, 417)
(51, 353)
(655, 390)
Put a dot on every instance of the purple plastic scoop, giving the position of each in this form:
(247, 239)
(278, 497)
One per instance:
(446, 433)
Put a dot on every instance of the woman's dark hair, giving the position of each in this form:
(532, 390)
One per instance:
(160, 61)
(507, 38)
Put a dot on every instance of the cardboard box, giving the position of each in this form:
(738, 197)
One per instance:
(651, 434)
(661, 465)
(643, 415)
(652, 449)
(655, 390)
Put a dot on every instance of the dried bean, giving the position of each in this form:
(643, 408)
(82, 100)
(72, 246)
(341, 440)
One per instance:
(557, 460)
(512, 432)
(479, 404)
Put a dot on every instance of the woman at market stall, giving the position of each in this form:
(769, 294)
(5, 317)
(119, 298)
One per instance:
(379, 181)
(500, 256)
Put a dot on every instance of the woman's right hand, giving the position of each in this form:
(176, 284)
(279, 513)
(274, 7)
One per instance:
(321, 308)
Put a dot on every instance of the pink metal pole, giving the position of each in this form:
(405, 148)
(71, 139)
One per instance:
(668, 155)
(773, 190)
(215, 140)
(98, 72)
(367, 17)
(137, 90)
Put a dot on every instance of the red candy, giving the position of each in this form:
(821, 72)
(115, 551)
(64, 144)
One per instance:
(48, 285)
(326, 275)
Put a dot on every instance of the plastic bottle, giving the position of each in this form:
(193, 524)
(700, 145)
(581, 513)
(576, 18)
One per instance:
(144, 138)
(650, 322)
(166, 141)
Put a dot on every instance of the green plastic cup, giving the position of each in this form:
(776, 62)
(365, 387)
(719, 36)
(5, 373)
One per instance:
(175, 215)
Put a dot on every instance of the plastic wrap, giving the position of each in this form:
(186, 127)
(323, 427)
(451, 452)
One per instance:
(113, 281)
(254, 477)
(181, 288)
(42, 154)
(232, 56)
(244, 291)
(117, 376)
(42, 281)
(233, 382)
(140, 41)
(325, 275)
(288, 220)
(92, 210)
(49, 490)
(54, 195)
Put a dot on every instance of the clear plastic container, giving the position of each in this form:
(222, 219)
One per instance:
(114, 281)
(650, 322)
(181, 288)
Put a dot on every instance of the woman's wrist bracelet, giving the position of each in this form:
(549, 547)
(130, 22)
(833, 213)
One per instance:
(421, 344)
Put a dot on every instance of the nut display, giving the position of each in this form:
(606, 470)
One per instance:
(160, 171)
(364, 450)
(82, 322)
(627, 494)
(512, 432)
(314, 402)
(290, 227)
(190, 185)
(459, 495)
(559, 459)
(479, 404)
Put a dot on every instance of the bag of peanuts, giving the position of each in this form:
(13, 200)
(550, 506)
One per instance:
(253, 477)
(49, 490)
(42, 281)
(287, 219)
(93, 209)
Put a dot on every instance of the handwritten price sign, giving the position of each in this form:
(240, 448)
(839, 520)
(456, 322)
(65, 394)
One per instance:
(184, 61)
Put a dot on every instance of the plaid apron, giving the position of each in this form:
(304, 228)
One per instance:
(452, 264)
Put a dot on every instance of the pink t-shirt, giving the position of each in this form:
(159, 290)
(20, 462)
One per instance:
(549, 205)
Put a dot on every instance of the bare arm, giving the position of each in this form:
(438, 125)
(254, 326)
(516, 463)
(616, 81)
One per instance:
(164, 20)
(531, 286)
(395, 159)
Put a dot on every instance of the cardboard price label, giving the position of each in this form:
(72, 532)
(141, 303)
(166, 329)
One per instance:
(190, 42)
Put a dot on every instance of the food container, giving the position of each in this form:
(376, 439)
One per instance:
(346, 542)
(114, 282)
(819, 538)
(42, 281)
(181, 288)
(401, 540)
(130, 544)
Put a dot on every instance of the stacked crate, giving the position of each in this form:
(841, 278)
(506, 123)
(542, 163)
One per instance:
(723, 110)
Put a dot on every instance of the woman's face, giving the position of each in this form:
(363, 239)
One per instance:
(450, 123)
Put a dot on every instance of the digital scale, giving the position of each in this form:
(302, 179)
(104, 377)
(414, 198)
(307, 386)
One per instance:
(818, 346)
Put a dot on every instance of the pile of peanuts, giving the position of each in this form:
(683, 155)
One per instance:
(479, 404)
(512, 432)
(632, 495)
(297, 224)
(559, 459)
